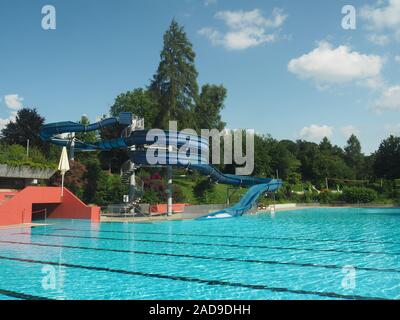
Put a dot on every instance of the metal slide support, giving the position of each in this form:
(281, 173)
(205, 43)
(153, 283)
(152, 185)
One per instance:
(169, 191)
(132, 179)
(72, 147)
(132, 185)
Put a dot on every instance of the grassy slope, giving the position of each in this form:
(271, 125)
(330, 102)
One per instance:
(219, 194)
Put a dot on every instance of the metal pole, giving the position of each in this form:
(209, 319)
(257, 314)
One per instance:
(72, 149)
(27, 148)
(132, 184)
(169, 191)
(62, 185)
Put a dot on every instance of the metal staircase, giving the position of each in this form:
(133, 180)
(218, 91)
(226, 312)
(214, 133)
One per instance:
(136, 188)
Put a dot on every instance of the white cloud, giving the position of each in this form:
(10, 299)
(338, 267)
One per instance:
(383, 16)
(389, 99)
(5, 121)
(13, 101)
(326, 65)
(210, 2)
(347, 131)
(316, 132)
(393, 129)
(245, 28)
(397, 58)
(378, 39)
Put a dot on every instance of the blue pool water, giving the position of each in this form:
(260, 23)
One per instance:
(307, 254)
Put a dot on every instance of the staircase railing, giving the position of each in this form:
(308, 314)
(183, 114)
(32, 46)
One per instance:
(41, 211)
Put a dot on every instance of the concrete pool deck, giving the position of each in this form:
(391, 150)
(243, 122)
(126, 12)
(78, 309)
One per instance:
(191, 216)
(278, 208)
(175, 217)
(23, 225)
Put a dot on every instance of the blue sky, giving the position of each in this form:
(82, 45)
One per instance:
(290, 68)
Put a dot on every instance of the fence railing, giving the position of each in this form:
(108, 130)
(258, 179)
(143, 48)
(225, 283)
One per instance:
(44, 211)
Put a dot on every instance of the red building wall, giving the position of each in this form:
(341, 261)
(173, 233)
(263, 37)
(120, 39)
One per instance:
(19, 209)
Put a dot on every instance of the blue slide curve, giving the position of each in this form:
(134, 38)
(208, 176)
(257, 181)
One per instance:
(190, 160)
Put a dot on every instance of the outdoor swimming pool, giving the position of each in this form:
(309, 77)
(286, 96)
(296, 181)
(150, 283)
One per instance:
(306, 254)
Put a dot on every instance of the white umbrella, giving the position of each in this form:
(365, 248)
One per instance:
(63, 167)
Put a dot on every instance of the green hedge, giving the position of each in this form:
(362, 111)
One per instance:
(359, 195)
(327, 197)
(15, 156)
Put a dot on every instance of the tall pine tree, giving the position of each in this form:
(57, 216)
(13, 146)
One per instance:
(174, 85)
(353, 156)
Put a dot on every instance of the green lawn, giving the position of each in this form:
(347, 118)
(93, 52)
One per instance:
(219, 194)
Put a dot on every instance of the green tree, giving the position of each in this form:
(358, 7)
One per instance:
(26, 126)
(330, 166)
(208, 109)
(262, 155)
(86, 158)
(110, 189)
(204, 191)
(307, 154)
(88, 137)
(318, 162)
(284, 161)
(74, 178)
(92, 179)
(112, 160)
(359, 195)
(387, 159)
(325, 145)
(174, 85)
(353, 156)
(138, 101)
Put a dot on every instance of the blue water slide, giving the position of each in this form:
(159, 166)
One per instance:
(185, 150)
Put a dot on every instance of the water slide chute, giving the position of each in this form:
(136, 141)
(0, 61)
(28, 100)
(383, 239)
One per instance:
(141, 139)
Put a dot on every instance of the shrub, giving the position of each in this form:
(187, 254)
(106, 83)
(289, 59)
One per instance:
(328, 197)
(15, 155)
(109, 190)
(359, 195)
(204, 191)
(13, 152)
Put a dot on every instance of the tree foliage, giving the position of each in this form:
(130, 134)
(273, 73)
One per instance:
(174, 84)
(25, 127)
(89, 136)
(138, 101)
(204, 190)
(387, 159)
(209, 106)
(173, 94)
(359, 195)
(353, 157)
